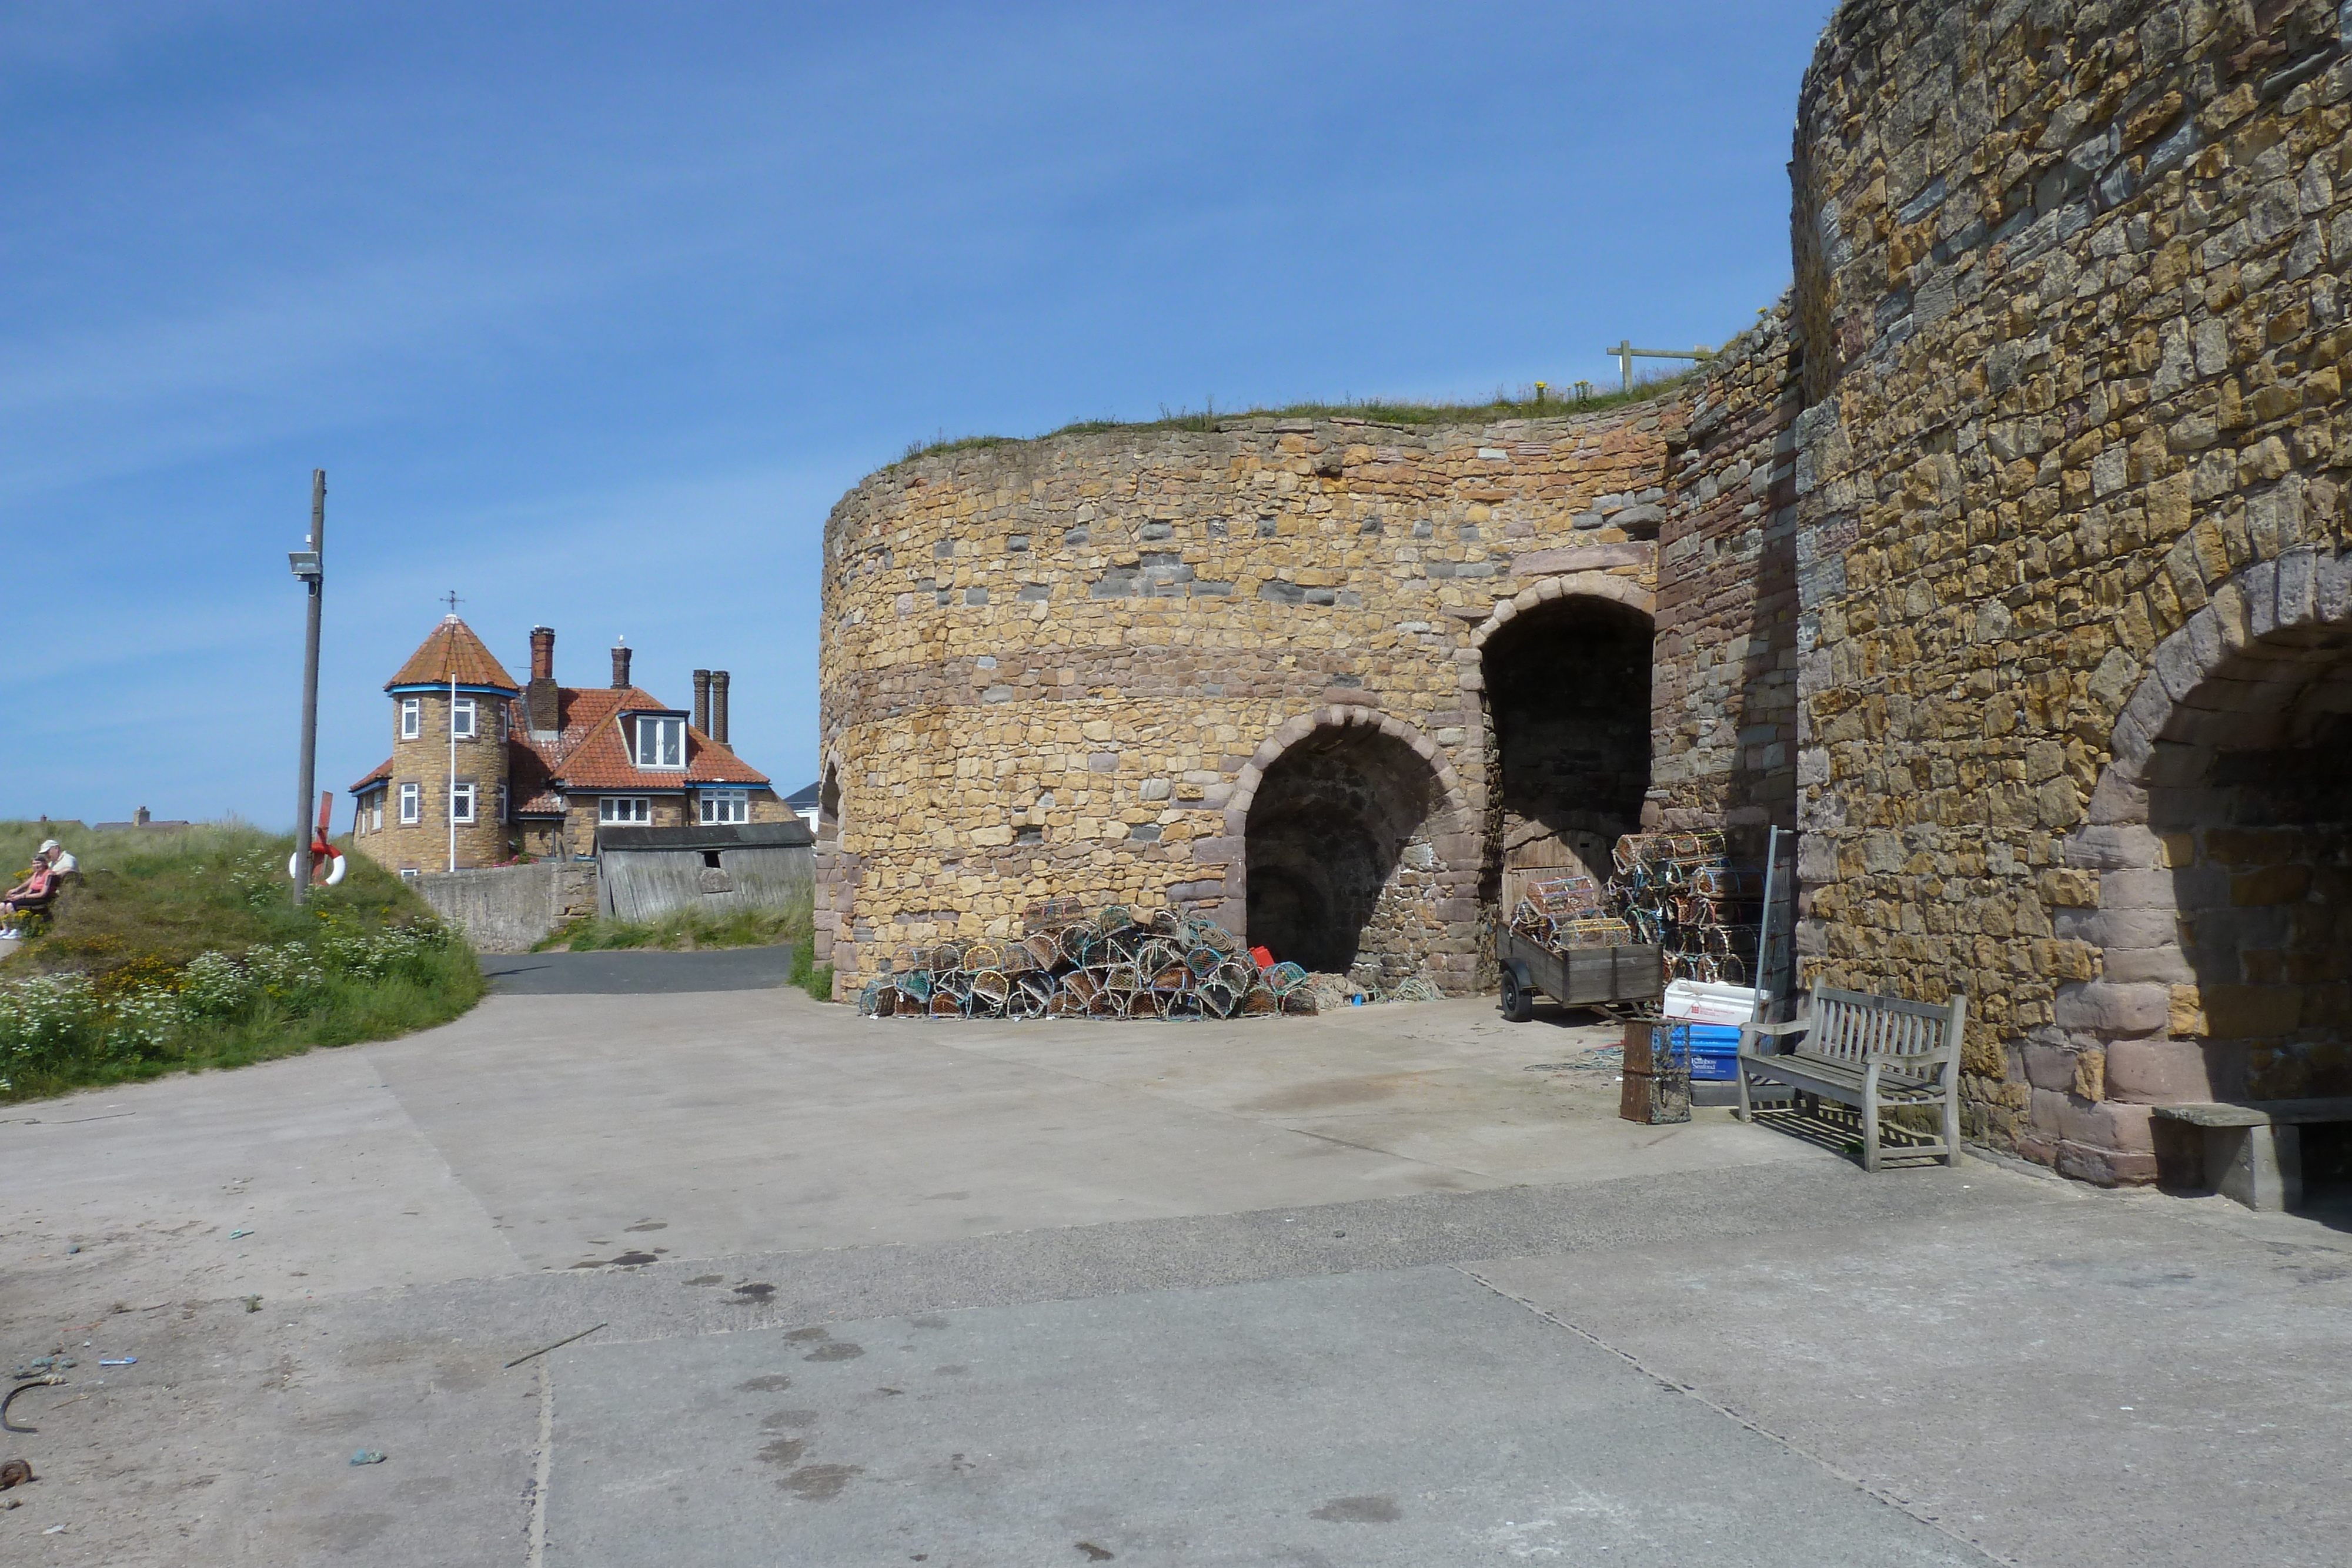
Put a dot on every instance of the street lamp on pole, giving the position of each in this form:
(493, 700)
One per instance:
(309, 567)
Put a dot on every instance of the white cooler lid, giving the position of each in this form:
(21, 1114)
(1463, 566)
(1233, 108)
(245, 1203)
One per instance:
(1707, 1001)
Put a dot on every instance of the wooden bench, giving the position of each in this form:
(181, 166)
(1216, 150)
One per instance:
(1874, 1053)
(2252, 1152)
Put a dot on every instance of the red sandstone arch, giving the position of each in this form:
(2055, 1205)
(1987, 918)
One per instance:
(1421, 797)
(834, 881)
(1625, 590)
(2212, 983)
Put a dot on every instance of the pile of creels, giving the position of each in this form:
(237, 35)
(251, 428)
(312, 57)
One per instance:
(1115, 963)
(1679, 892)
(1569, 912)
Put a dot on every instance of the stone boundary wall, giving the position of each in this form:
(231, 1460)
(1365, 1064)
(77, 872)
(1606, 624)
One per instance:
(1058, 667)
(511, 908)
(2069, 276)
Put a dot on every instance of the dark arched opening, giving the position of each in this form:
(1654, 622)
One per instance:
(2249, 789)
(1567, 695)
(828, 806)
(1342, 874)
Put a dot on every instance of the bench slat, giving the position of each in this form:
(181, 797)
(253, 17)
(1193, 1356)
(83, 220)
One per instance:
(1827, 1076)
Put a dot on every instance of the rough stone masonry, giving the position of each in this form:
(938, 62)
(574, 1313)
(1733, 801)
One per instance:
(2005, 559)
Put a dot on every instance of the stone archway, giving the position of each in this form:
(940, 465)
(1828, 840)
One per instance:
(834, 878)
(2220, 837)
(1567, 722)
(1355, 854)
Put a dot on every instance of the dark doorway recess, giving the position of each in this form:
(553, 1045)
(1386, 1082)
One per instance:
(1568, 690)
(2250, 791)
(1340, 867)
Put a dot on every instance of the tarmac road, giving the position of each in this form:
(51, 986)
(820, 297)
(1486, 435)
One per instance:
(1356, 1290)
(632, 972)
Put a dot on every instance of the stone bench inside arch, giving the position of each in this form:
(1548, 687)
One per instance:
(2253, 1152)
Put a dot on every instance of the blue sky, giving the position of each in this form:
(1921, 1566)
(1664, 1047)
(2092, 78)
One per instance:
(591, 311)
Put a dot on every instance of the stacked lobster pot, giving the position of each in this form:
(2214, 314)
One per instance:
(1112, 962)
(1680, 891)
(1569, 912)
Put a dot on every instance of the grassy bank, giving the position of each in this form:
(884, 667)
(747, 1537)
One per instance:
(689, 930)
(185, 951)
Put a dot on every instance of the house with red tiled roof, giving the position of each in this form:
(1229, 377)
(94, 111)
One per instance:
(485, 770)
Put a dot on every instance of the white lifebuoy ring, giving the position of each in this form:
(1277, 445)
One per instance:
(334, 866)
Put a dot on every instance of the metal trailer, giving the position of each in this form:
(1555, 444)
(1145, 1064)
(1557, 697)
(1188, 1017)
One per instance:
(1598, 977)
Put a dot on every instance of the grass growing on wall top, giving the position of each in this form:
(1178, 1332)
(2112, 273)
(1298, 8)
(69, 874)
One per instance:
(1372, 410)
(184, 950)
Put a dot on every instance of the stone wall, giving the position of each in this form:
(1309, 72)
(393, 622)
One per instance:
(425, 845)
(1724, 724)
(510, 908)
(2071, 523)
(1071, 666)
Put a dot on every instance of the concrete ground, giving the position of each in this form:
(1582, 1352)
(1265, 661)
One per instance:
(1363, 1289)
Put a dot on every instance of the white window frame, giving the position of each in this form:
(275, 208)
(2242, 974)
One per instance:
(411, 804)
(411, 718)
(470, 794)
(609, 809)
(377, 825)
(653, 731)
(409, 874)
(502, 802)
(465, 718)
(723, 807)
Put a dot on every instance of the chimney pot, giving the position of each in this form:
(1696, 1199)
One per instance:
(541, 698)
(621, 667)
(718, 730)
(702, 701)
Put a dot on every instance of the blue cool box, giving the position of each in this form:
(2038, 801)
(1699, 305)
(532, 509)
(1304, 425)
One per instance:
(1711, 1047)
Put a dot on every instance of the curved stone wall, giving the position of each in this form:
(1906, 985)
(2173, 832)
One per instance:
(2070, 278)
(1082, 667)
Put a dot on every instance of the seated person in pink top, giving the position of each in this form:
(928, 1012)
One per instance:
(32, 892)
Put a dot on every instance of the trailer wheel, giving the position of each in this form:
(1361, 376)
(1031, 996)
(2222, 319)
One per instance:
(1518, 1001)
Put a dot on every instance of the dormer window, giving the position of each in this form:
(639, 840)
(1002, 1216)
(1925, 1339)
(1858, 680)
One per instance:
(661, 742)
(461, 718)
(412, 717)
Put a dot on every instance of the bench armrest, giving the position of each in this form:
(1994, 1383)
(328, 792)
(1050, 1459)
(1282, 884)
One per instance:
(1791, 1027)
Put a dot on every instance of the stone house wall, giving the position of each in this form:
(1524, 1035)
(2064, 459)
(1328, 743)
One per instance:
(2071, 534)
(481, 761)
(668, 812)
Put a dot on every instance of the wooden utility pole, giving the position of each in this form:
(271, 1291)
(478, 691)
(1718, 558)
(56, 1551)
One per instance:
(1626, 354)
(310, 567)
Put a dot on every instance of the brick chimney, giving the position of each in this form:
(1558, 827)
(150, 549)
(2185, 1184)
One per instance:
(702, 701)
(621, 667)
(539, 700)
(718, 730)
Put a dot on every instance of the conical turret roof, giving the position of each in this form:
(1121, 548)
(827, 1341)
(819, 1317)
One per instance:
(452, 651)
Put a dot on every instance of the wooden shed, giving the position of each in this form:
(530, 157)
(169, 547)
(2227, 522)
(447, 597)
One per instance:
(648, 872)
